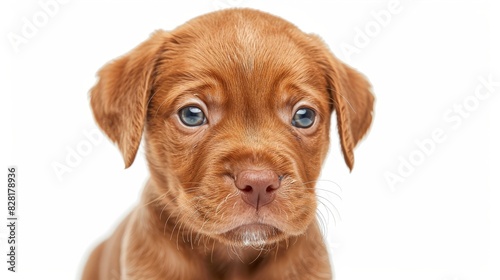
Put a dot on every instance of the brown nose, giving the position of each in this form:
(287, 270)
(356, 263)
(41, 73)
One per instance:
(257, 186)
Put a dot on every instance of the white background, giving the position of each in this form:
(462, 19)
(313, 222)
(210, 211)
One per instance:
(441, 222)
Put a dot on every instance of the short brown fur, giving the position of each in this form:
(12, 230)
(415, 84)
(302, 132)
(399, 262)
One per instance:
(249, 72)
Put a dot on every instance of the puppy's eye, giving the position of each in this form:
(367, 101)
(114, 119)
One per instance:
(303, 118)
(192, 116)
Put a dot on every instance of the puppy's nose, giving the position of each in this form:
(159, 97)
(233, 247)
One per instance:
(257, 186)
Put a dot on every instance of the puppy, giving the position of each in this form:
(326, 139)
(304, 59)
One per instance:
(235, 107)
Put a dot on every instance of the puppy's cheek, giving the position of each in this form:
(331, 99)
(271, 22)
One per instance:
(312, 153)
(295, 210)
(211, 204)
(183, 149)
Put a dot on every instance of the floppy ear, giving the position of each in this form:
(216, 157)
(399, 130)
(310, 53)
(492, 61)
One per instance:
(119, 99)
(352, 101)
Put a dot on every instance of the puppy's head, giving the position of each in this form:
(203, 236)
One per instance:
(236, 110)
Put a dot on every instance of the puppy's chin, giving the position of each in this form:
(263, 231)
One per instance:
(255, 235)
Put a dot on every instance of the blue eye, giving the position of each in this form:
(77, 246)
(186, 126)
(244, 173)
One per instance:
(192, 116)
(303, 118)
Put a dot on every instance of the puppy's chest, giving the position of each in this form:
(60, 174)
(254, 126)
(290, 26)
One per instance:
(233, 264)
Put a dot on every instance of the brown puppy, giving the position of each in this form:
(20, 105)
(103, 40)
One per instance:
(236, 110)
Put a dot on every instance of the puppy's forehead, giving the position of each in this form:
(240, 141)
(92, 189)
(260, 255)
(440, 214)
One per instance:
(252, 55)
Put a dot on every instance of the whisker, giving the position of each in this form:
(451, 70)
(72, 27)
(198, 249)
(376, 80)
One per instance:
(322, 223)
(277, 249)
(166, 222)
(258, 256)
(325, 201)
(156, 199)
(163, 209)
(212, 253)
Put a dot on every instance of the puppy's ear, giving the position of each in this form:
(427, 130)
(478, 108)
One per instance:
(119, 99)
(352, 101)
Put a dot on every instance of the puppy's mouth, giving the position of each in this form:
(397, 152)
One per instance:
(253, 234)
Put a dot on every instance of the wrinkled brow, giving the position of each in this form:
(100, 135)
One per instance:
(167, 100)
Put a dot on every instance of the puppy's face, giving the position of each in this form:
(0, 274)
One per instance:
(232, 104)
(236, 107)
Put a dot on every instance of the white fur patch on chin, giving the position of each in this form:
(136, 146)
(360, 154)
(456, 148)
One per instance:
(254, 238)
